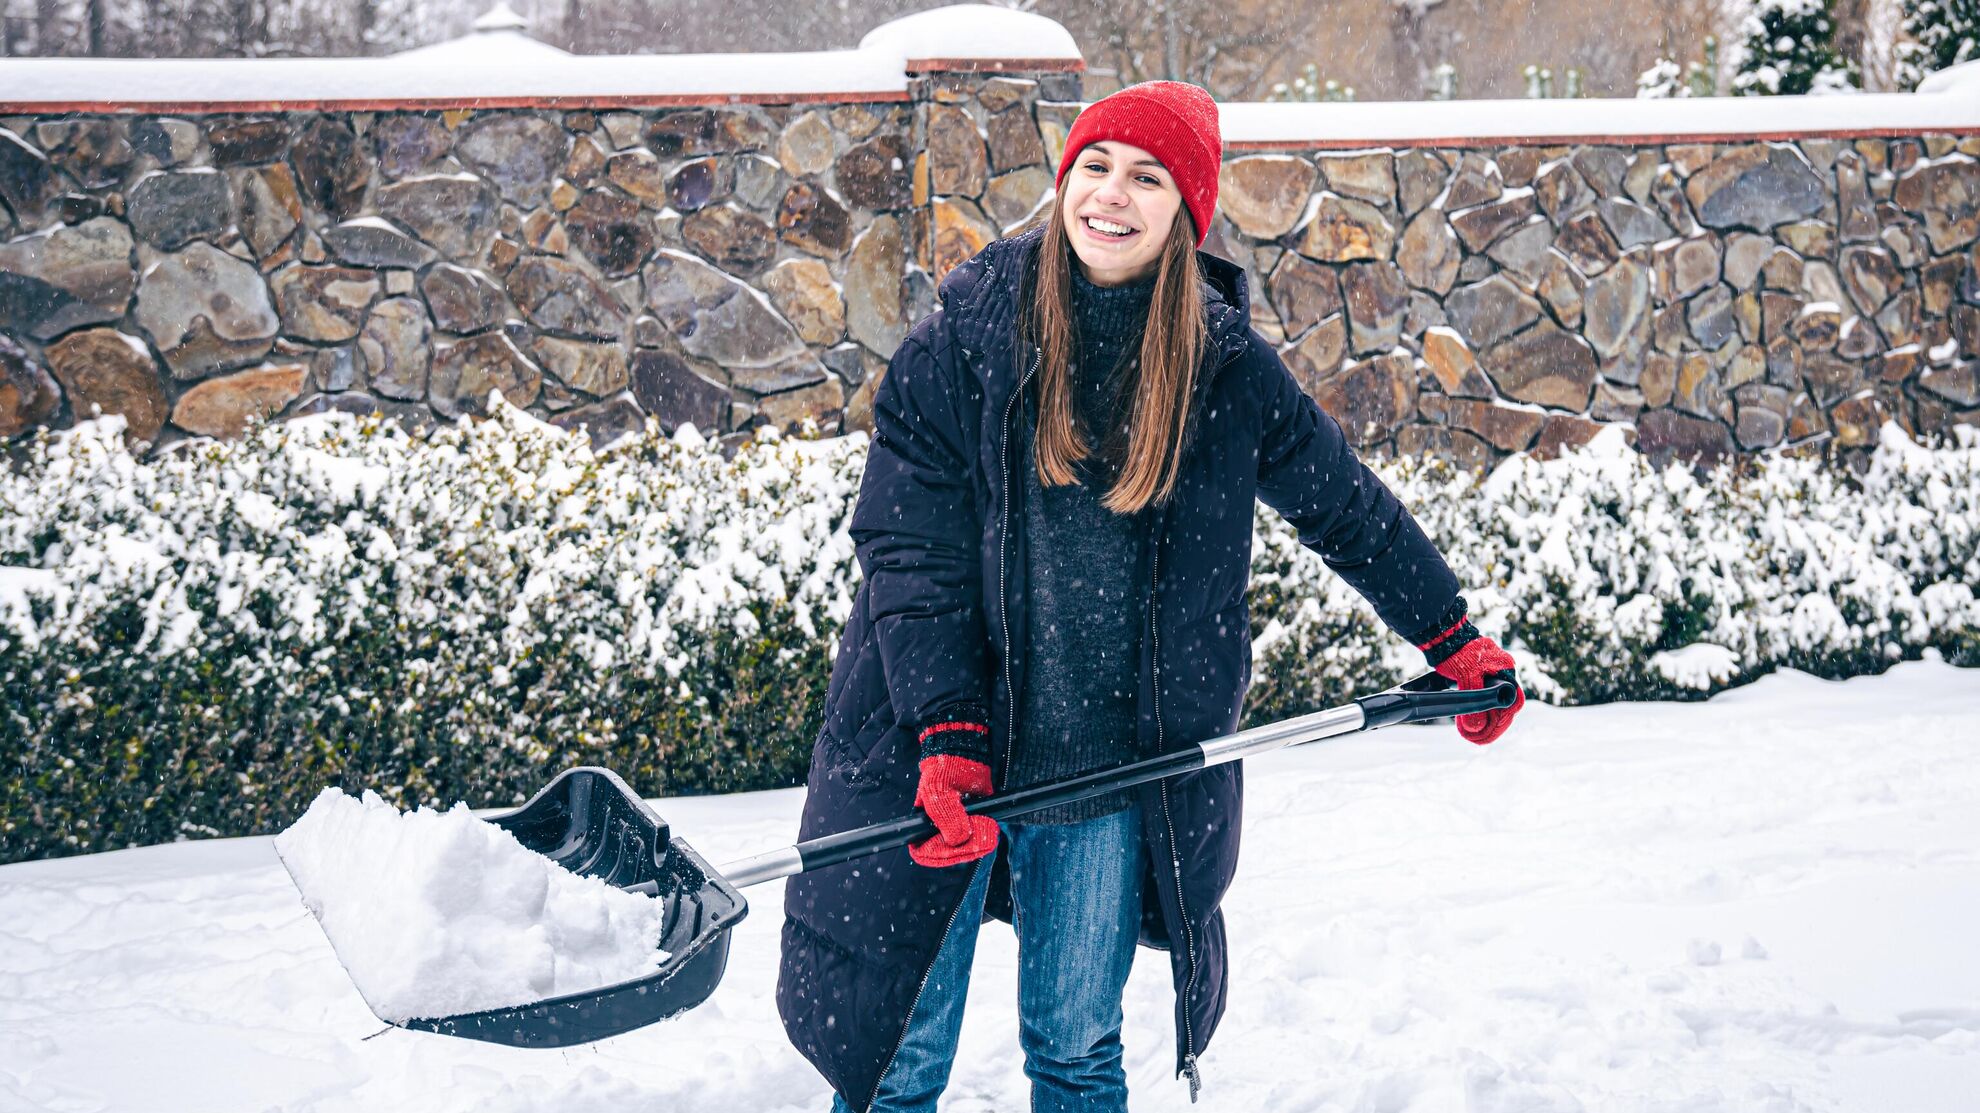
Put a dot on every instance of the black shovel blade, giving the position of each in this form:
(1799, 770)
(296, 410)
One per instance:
(591, 823)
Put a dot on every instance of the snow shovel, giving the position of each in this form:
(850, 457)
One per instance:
(591, 822)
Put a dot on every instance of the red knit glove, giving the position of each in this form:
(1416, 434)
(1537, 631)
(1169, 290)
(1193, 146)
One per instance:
(1472, 660)
(960, 837)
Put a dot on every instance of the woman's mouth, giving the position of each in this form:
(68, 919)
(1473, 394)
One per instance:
(1107, 229)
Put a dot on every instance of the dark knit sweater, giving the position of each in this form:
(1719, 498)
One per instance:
(1087, 607)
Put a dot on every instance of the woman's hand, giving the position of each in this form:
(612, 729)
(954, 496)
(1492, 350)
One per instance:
(960, 837)
(1480, 663)
(1472, 660)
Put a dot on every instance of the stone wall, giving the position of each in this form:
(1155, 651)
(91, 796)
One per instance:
(715, 265)
(733, 265)
(1718, 297)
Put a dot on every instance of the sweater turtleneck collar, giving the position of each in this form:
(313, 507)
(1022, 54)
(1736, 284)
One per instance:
(1109, 314)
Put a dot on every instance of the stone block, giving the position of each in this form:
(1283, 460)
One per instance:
(1480, 227)
(29, 396)
(457, 214)
(957, 162)
(1343, 230)
(171, 209)
(1755, 186)
(1420, 177)
(397, 345)
(730, 237)
(806, 146)
(1486, 312)
(409, 143)
(1666, 436)
(521, 154)
(804, 292)
(559, 296)
(1544, 365)
(206, 311)
(1367, 177)
(714, 317)
(104, 371)
(464, 373)
(225, 406)
(1454, 365)
(812, 221)
(590, 367)
(1946, 195)
(1264, 195)
(1371, 399)
(1014, 141)
(874, 174)
(1303, 293)
(324, 304)
(332, 171)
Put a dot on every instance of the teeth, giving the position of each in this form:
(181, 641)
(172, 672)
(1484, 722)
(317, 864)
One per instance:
(1107, 226)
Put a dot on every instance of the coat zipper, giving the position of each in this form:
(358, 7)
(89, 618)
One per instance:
(1168, 820)
(1004, 572)
(1189, 1067)
(1010, 697)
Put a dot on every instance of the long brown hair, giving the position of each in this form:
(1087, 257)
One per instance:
(1145, 448)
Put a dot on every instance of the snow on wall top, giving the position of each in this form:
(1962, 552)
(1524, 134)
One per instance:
(972, 31)
(1957, 108)
(499, 63)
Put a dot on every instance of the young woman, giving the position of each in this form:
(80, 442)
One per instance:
(1055, 532)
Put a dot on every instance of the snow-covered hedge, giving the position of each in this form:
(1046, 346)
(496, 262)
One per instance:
(1610, 579)
(197, 644)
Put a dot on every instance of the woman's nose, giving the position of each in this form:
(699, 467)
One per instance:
(1111, 191)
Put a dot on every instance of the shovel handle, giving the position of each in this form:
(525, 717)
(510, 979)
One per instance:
(1420, 700)
(1427, 697)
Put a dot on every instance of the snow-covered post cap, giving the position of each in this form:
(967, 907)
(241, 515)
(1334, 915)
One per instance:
(976, 37)
(501, 17)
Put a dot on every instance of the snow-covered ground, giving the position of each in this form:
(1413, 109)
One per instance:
(1762, 903)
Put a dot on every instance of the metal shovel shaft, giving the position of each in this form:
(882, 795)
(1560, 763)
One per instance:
(1426, 697)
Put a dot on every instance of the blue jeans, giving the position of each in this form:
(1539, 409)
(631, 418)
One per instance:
(1076, 905)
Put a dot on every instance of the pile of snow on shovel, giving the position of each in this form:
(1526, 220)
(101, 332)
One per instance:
(440, 913)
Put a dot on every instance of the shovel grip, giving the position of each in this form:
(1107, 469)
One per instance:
(1413, 704)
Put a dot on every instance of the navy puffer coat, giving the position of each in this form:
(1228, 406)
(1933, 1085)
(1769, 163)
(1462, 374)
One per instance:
(938, 625)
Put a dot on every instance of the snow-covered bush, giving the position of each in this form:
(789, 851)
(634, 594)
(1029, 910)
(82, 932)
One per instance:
(1610, 579)
(1662, 81)
(1942, 33)
(199, 643)
(1788, 48)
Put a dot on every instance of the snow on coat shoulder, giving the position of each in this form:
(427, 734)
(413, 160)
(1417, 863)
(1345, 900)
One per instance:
(440, 913)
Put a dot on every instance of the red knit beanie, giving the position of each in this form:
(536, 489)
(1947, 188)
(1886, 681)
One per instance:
(1175, 122)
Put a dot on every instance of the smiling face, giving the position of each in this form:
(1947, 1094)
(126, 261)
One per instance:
(1119, 204)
